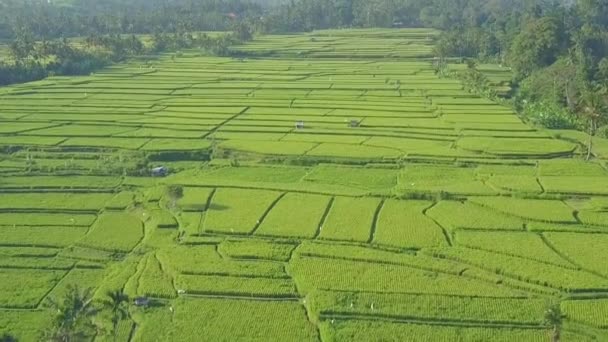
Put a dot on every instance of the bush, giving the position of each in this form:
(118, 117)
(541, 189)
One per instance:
(602, 132)
(550, 115)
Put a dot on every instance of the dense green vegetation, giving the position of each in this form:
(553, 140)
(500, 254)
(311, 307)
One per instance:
(335, 188)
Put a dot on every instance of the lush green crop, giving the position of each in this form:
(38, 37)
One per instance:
(55, 236)
(236, 286)
(565, 279)
(403, 224)
(237, 211)
(54, 201)
(295, 215)
(217, 318)
(14, 293)
(115, 232)
(350, 219)
(256, 249)
(472, 216)
(540, 210)
(153, 281)
(311, 273)
(194, 199)
(408, 306)
(361, 330)
(592, 312)
(525, 245)
(583, 249)
(205, 260)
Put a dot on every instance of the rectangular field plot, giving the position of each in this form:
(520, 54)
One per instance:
(455, 215)
(435, 178)
(585, 185)
(60, 182)
(313, 273)
(525, 245)
(534, 272)
(56, 236)
(237, 211)
(268, 147)
(54, 201)
(361, 330)
(403, 224)
(214, 318)
(590, 312)
(83, 278)
(539, 210)
(204, 260)
(23, 288)
(114, 232)
(46, 219)
(350, 219)
(256, 249)
(295, 215)
(354, 151)
(432, 307)
(153, 281)
(25, 325)
(194, 199)
(237, 286)
(359, 177)
(586, 250)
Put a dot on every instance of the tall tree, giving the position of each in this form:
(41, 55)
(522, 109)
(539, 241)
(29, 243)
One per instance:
(594, 106)
(117, 304)
(74, 313)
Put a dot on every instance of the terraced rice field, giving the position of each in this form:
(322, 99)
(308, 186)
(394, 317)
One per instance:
(335, 189)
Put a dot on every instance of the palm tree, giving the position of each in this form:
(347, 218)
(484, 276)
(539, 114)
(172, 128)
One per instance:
(594, 105)
(117, 304)
(73, 321)
(553, 318)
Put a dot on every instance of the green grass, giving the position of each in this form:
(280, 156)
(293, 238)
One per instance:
(295, 215)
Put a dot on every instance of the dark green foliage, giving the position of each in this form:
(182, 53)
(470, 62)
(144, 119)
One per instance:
(550, 115)
(73, 321)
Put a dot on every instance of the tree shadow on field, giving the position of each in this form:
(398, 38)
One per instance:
(217, 207)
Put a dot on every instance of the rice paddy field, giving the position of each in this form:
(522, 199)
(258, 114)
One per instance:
(334, 189)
